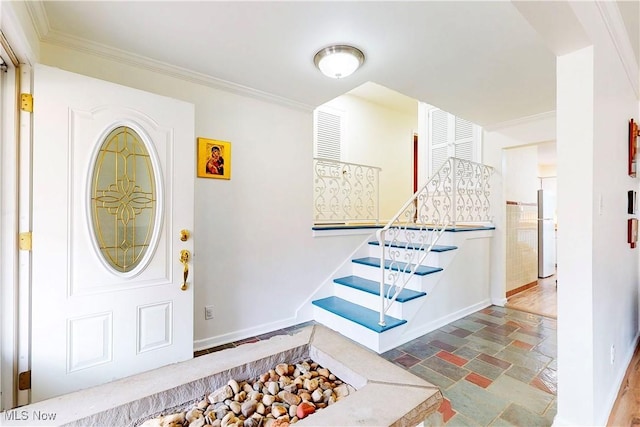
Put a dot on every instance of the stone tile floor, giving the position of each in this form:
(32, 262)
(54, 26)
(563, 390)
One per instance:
(495, 367)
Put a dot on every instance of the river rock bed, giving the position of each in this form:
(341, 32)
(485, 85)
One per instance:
(277, 398)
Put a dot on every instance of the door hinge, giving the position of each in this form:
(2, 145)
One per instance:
(26, 102)
(24, 380)
(24, 241)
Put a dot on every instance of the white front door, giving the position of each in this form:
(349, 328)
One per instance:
(113, 177)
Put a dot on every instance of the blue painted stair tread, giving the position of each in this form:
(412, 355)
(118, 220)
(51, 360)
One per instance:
(373, 287)
(422, 270)
(452, 229)
(436, 248)
(358, 314)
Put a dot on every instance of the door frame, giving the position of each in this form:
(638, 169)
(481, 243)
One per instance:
(12, 331)
(16, 42)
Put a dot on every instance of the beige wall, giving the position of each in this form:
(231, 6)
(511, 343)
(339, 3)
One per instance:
(380, 136)
(522, 245)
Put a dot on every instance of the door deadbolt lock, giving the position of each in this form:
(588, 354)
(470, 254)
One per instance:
(184, 235)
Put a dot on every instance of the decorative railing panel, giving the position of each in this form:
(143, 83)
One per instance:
(459, 192)
(345, 192)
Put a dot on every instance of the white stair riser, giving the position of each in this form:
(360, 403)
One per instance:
(399, 310)
(373, 273)
(434, 259)
(452, 238)
(415, 236)
(416, 282)
(364, 336)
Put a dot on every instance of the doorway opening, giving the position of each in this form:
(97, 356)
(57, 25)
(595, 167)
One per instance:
(531, 228)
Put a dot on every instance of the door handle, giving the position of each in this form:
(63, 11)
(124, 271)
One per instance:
(184, 259)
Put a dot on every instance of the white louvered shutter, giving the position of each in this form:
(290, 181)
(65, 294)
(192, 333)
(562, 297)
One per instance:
(439, 137)
(463, 142)
(328, 133)
(451, 136)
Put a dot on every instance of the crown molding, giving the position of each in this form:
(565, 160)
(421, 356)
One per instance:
(39, 18)
(620, 37)
(520, 121)
(57, 38)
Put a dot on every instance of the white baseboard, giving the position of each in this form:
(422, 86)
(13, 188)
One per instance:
(500, 302)
(613, 393)
(439, 323)
(561, 421)
(205, 343)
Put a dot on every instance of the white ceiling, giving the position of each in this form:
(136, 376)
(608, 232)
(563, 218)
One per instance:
(480, 60)
(386, 97)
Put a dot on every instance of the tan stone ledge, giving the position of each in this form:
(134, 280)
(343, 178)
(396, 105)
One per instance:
(386, 395)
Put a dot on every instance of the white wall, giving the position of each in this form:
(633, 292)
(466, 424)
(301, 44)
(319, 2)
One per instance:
(597, 270)
(255, 259)
(382, 137)
(521, 166)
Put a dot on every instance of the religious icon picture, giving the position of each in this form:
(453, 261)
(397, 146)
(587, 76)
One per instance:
(214, 159)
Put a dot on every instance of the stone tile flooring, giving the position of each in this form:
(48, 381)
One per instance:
(496, 367)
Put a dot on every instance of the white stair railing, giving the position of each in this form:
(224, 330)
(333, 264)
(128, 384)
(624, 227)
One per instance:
(457, 193)
(345, 192)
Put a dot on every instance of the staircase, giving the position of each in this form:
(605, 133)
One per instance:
(410, 256)
(354, 307)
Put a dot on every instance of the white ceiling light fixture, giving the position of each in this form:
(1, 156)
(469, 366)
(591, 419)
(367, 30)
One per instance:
(338, 61)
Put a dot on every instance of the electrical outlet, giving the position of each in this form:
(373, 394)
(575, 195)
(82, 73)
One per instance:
(613, 354)
(208, 312)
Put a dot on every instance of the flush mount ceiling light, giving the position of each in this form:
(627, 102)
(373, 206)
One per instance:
(338, 61)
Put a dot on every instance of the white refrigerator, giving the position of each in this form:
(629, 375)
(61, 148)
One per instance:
(546, 234)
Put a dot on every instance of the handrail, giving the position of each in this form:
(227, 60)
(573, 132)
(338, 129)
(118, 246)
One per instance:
(345, 192)
(458, 192)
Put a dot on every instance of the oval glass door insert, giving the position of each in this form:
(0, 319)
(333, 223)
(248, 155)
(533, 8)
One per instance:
(123, 199)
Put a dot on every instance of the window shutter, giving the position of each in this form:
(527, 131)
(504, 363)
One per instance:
(438, 157)
(329, 127)
(464, 150)
(450, 136)
(463, 141)
(439, 137)
(464, 129)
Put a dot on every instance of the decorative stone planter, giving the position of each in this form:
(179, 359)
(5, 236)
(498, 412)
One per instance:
(386, 395)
